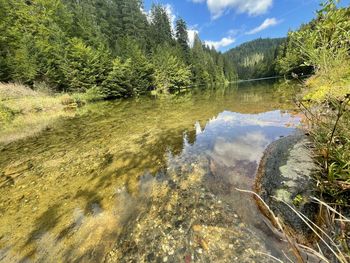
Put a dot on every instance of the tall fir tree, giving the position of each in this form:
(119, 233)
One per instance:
(160, 25)
(75, 45)
(182, 34)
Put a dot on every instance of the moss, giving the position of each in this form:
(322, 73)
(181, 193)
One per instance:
(334, 83)
(298, 199)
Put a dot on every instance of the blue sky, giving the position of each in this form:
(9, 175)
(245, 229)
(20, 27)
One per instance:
(228, 23)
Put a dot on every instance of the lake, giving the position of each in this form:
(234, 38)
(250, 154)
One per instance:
(146, 180)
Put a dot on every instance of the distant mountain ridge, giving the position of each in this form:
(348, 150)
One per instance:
(256, 59)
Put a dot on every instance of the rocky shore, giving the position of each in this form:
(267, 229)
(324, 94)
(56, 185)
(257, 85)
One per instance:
(285, 181)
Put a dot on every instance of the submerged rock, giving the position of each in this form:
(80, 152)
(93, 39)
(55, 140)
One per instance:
(17, 168)
(197, 228)
(284, 182)
(9, 174)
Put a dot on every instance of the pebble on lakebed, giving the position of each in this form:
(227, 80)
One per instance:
(184, 222)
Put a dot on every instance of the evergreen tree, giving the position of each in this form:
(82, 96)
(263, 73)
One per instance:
(182, 35)
(102, 44)
(119, 80)
(84, 67)
(141, 67)
(171, 72)
(160, 25)
(200, 73)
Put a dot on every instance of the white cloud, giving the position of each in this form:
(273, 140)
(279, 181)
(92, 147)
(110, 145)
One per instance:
(171, 14)
(269, 22)
(191, 35)
(226, 41)
(251, 7)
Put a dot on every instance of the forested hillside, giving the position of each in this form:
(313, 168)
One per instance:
(111, 46)
(255, 59)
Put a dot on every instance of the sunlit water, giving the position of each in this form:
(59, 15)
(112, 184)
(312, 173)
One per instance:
(146, 180)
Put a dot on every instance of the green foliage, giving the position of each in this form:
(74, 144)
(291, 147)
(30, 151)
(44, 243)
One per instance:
(33, 39)
(182, 36)
(22, 64)
(171, 72)
(91, 95)
(160, 25)
(83, 66)
(141, 67)
(255, 59)
(79, 46)
(322, 44)
(118, 82)
(209, 66)
(199, 69)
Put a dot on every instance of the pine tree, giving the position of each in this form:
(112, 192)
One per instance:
(142, 68)
(199, 70)
(171, 73)
(182, 35)
(118, 83)
(160, 25)
(84, 67)
(77, 45)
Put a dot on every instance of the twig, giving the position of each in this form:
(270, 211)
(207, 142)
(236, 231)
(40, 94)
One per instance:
(279, 225)
(301, 216)
(332, 209)
(270, 256)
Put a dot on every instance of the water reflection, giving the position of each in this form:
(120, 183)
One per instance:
(120, 168)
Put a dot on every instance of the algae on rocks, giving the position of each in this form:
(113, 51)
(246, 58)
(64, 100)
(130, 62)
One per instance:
(285, 179)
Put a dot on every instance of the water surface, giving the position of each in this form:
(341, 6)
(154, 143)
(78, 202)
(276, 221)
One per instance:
(146, 180)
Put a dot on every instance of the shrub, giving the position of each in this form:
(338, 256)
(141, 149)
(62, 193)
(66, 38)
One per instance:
(119, 80)
(171, 72)
(84, 67)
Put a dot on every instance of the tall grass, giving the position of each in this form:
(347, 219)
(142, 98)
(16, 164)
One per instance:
(25, 111)
(326, 106)
(328, 123)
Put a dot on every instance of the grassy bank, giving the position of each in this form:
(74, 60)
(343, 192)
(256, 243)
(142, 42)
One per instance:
(326, 104)
(25, 112)
(327, 107)
(323, 44)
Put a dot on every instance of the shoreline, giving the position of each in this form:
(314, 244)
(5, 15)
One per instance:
(25, 112)
(284, 180)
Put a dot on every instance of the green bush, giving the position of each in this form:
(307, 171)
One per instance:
(118, 82)
(171, 72)
(84, 67)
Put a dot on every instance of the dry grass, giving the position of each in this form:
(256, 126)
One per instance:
(333, 250)
(25, 112)
(15, 90)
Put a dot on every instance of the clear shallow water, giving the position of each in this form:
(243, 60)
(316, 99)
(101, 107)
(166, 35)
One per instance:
(98, 186)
